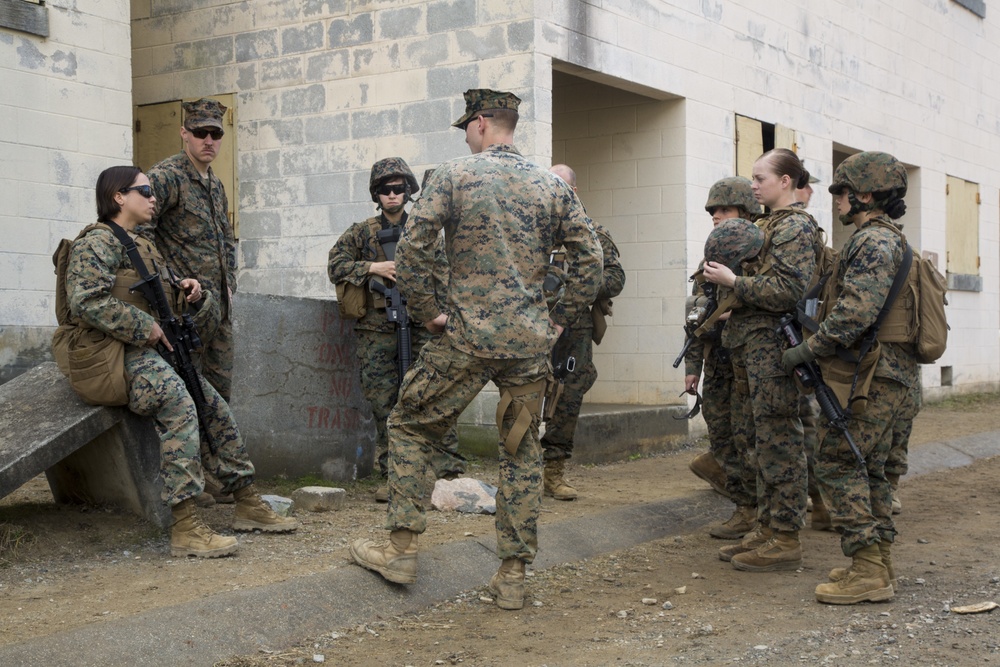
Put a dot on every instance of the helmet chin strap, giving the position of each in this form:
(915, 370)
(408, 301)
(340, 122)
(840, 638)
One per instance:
(856, 207)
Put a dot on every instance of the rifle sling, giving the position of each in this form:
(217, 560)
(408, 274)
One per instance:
(868, 340)
(130, 249)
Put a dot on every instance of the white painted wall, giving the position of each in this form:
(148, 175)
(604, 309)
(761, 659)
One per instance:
(65, 115)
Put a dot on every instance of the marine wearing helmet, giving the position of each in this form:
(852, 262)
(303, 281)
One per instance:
(873, 172)
(388, 169)
(734, 191)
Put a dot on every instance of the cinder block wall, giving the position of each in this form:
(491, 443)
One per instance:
(628, 153)
(65, 114)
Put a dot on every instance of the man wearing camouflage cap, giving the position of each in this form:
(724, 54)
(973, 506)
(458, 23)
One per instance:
(355, 260)
(501, 215)
(191, 226)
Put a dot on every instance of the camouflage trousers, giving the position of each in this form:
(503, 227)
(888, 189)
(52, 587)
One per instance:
(155, 390)
(377, 352)
(216, 359)
(717, 409)
(861, 506)
(767, 405)
(436, 390)
(898, 460)
(557, 443)
(809, 415)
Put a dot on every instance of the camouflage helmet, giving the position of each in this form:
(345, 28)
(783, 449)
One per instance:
(870, 171)
(387, 169)
(733, 241)
(734, 191)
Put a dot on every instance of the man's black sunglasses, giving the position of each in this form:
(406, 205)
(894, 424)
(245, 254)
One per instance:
(203, 132)
(144, 190)
(395, 189)
(482, 115)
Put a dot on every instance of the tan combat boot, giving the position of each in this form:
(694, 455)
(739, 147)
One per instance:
(382, 493)
(781, 552)
(555, 485)
(507, 585)
(396, 561)
(707, 468)
(755, 538)
(738, 525)
(838, 573)
(252, 513)
(189, 536)
(867, 580)
(820, 514)
(897, 504)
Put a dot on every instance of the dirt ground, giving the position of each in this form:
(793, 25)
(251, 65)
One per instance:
(666, 602)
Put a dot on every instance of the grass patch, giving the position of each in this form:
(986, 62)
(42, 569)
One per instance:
(12, 538)
(970, 402)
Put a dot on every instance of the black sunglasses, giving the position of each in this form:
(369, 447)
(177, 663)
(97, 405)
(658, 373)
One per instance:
(395, 189)
(482, 115)
(203, 132)
(144, 190)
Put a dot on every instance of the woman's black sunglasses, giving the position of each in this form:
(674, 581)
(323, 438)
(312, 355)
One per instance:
(144, 190)
(395, 188)
(202, 132)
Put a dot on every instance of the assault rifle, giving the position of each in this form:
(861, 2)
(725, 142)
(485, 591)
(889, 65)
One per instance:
(395, 303)
(810, 377)
(180, 331)
(696, 317)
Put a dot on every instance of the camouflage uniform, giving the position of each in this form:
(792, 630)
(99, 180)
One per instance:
(350, 259)
(764, 396)
(501, 215)
(155, 390)
(860, 508)
(557, 443)
(191, 228)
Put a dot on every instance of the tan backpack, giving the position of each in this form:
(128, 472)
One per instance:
(93, 361)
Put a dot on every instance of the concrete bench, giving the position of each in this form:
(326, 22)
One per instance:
(89, 454)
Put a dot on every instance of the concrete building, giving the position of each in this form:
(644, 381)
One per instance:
(650, 101)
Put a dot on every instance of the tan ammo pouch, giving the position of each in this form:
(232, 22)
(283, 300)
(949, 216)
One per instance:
(352, 300)
(95, 365)
(524, 413)
(599, 313)
(838, 374)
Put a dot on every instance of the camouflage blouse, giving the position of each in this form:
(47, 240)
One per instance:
(501, 215)
(868, 264)
(191, 225)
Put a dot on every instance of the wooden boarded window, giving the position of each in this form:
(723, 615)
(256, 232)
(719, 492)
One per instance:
(157, 136)
(754, 138)
(962, 227)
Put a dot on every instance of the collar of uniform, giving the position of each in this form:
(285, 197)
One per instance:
(502, 148)
(193, 173)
